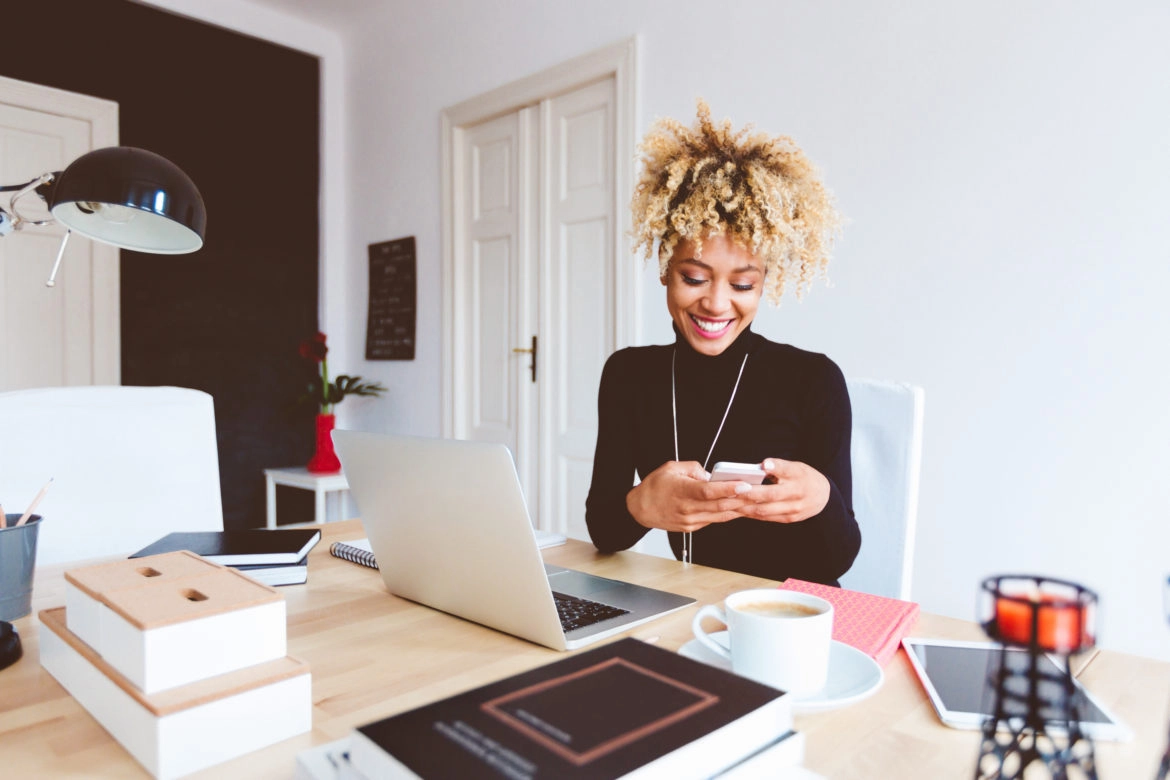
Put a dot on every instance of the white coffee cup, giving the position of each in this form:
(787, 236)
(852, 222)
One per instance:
(778, 637)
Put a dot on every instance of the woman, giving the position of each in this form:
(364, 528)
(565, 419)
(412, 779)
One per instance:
(734, 215)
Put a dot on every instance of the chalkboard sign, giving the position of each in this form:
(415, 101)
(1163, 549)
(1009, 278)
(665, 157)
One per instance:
(391, 322)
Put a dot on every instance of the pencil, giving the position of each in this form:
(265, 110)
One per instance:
(28, 512)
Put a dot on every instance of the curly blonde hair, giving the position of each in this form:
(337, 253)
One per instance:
(760, 191)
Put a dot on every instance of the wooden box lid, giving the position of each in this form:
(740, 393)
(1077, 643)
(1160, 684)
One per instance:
(134, 572)
(166, 602)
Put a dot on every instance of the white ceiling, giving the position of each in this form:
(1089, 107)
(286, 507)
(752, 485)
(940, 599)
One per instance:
(337, 15)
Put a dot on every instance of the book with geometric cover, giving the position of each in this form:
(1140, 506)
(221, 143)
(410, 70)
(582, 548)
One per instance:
(873, 624)
(625, 709)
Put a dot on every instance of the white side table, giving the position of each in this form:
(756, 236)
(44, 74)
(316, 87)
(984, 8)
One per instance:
(300, 477)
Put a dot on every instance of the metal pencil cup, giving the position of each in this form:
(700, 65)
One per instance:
(18, 557)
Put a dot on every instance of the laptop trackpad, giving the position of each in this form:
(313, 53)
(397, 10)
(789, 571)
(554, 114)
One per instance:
(578, 583)
(639, 600)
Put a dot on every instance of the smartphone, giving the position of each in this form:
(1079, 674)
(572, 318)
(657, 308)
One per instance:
(725, 471)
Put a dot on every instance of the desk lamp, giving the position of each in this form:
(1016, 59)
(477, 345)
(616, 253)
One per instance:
(120, 195)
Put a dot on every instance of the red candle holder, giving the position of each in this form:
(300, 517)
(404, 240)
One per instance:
(1038, 612)
(1036, 710)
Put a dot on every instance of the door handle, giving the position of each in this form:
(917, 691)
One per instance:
(530, 351)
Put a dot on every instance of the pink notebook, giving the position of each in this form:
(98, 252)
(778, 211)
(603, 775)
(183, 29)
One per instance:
(874, 625)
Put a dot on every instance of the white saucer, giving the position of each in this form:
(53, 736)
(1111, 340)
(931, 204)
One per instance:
(853, 675)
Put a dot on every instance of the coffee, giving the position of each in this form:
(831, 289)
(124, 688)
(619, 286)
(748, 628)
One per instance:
(779, 609)
(775, 637)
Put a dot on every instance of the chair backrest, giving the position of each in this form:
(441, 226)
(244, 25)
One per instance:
(128, 464)
(886, 456)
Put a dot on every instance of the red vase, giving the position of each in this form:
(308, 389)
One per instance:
(324, 460)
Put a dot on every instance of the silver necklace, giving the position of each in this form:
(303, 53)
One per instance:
(688, 545)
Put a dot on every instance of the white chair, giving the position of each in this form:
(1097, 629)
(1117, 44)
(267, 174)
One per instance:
(886, 457)
(128, 464)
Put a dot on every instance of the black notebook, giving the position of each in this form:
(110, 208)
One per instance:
(607, 712)
(239, 548)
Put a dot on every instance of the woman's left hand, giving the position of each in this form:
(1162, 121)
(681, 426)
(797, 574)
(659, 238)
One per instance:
(798, 493)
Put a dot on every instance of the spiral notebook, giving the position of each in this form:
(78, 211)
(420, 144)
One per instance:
(355, 551)
(358, 550)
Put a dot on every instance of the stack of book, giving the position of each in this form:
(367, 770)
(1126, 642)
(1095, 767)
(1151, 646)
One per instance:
(182, 660)
(271, 557)
(626, 709)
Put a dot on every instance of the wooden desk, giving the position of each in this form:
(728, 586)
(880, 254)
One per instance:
(373, 654)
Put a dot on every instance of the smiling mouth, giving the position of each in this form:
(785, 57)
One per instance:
(710, 328)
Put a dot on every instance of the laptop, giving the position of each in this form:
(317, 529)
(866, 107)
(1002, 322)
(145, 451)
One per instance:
(449, 528)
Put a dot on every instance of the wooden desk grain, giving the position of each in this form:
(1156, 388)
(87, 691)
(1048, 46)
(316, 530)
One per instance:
(373, 654)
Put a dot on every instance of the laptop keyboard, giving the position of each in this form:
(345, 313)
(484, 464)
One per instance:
(577, 612)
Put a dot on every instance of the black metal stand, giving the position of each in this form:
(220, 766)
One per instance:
(1036, 718)
(10, 650)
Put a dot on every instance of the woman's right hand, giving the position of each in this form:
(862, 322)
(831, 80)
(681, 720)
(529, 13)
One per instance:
(677, 496)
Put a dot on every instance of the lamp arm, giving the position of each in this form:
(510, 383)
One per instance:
(40, 185)
(31, 183)
(52, 280)
(15, 187)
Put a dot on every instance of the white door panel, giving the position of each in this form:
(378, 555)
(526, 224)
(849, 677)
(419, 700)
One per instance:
(493, 170)
(577, 225)
(493, 412)
(585, 168)
(68, 334)
(46, 331)
(584, 331)
(489, 278)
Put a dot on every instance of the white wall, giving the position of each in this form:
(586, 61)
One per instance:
(1002, 166)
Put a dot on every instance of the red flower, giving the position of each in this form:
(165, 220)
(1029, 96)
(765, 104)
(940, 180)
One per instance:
(314, 348)
(325, 393)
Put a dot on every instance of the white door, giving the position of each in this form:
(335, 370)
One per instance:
(576, 294)
(497, 284)
(68, 334)
(537, 274)
(539, 287)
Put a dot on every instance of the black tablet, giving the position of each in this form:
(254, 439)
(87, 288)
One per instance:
(955, 676)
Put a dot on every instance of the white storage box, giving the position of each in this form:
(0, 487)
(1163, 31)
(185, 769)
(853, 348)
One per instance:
(166, 631)
(184, 729)
(84, 586)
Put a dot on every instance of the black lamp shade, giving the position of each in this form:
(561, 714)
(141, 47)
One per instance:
(130, 198)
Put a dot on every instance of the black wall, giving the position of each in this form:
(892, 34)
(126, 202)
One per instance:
(240, 116)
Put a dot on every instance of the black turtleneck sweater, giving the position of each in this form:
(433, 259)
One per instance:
(791, 404)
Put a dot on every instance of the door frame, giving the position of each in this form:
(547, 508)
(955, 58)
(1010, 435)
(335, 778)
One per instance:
(102, 117)
(619, 61)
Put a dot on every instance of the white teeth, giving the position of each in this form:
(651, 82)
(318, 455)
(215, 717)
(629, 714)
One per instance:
(710, 327)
